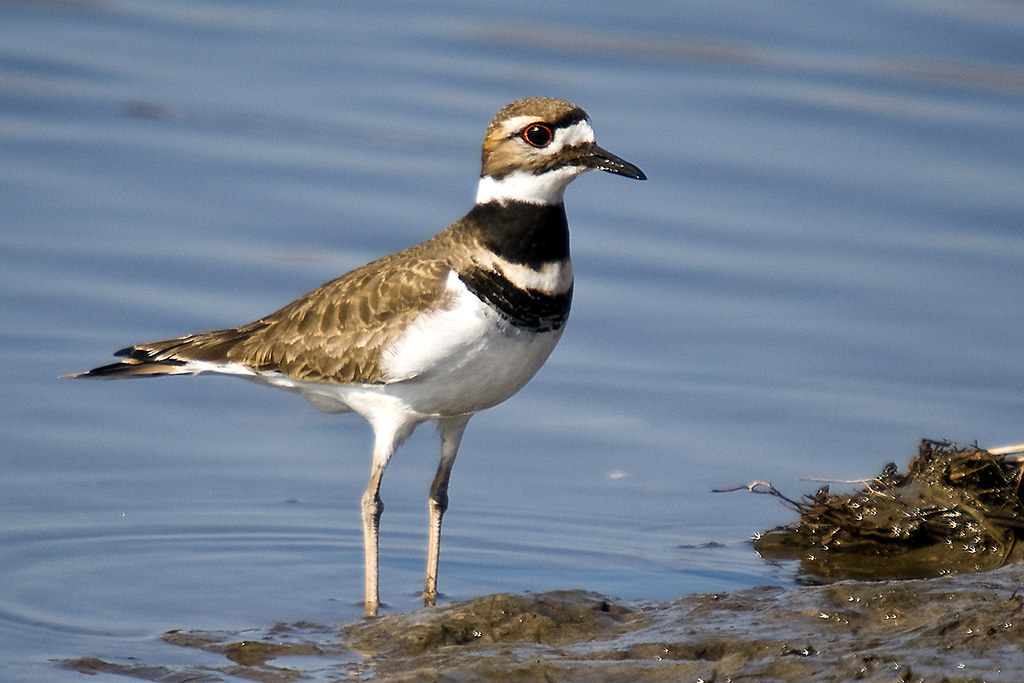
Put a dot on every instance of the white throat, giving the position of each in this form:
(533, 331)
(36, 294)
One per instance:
(545, 189)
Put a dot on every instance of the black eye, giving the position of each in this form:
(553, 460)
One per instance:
(538, 135)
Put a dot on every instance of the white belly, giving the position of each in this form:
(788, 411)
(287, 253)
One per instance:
(465, 358)
(455, 361)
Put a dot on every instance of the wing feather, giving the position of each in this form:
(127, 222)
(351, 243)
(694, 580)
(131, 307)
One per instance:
(335, 333)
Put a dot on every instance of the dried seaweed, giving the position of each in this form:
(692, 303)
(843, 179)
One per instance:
(955, 509)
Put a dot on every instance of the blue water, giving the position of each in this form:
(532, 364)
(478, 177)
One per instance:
(826, 265)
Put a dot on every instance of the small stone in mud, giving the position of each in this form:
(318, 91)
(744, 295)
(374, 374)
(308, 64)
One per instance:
(550, 618)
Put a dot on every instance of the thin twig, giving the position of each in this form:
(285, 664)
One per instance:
(762, 487)
(1007, 450)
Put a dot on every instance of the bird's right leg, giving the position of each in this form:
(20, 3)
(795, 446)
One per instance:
(372, 507)
(387, 437)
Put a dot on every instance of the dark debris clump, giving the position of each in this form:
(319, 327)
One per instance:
(955, 509)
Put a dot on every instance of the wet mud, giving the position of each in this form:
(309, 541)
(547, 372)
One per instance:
(968, 627)
(910, 578)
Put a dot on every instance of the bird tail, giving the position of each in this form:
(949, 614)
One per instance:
(191, 355)
(139, 361)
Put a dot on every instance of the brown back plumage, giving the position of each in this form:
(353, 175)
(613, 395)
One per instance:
(338, 331)
(334, 333)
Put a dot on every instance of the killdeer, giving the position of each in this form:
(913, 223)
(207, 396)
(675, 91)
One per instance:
(438, 331)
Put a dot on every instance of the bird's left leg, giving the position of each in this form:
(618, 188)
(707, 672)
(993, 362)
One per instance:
(451, 430)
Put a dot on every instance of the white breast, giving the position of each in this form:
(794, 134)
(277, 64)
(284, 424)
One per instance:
(451, 361)
(463, 358)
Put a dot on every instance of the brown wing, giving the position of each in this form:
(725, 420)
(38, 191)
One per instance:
(338, 331)
(335, 333)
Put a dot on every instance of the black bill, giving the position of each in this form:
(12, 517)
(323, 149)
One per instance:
(604, 160)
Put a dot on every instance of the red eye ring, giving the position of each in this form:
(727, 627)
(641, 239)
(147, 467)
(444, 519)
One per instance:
(537, 135)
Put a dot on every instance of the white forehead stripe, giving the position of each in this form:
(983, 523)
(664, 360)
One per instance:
(545, 188)
(515, 124)
(575, 134)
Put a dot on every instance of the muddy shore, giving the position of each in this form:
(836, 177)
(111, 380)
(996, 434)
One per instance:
(968, 627)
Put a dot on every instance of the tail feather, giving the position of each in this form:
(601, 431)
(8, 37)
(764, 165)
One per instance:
(183, 356)
(138, 362)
